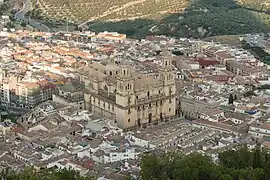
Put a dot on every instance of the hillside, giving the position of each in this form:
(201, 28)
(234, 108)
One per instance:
(82, 10)
(138, 18)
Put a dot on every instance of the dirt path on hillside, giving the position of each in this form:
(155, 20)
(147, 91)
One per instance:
(110, 11)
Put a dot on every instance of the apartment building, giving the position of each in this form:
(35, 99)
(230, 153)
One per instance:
(23, 94)
(29, 94)
(131, 97)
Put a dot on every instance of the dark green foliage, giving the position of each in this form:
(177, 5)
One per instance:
(258, 52)
(265, 86)
(231, 99)
(217, 17)
(239, 164)
(23, 24)
(249, 93)
(30, 173)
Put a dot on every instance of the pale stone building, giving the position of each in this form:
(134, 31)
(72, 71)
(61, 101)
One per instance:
(132, 98)
(193, 108)
(69, 94)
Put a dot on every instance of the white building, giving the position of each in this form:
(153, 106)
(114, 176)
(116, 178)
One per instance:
(260, 130)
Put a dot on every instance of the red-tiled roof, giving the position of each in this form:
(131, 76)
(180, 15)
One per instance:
(88, 164)
(206, 62)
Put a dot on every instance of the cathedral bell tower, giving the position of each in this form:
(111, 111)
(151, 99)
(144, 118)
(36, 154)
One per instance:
(167, 68)
(125, 99)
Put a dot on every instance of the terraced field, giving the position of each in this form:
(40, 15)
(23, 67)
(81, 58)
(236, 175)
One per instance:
(83, 10)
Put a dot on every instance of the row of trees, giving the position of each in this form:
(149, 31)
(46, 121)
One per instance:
(30, 173)
(257, 51)
(239, 164)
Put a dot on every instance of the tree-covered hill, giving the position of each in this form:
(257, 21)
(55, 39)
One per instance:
(201, 18)
(239, 164)
(138, 18)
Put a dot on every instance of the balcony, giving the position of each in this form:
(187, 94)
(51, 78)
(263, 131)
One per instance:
(151, 99)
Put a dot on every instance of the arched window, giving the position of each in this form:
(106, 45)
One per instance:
(106, 88)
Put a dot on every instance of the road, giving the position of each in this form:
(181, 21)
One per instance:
(20, 16)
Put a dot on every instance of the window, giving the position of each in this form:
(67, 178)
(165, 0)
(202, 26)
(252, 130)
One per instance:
(128, 120)
(159, 92)
(139, 122)
(170, 101)
(148, 93)
(137, 97)
(129, 111)
(129, 100)
(110, 73)
(169, 109)
(150, 105)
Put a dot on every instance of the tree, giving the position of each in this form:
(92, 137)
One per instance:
(238, 164)
(235, 97)
(29, 173)
(231, 99)
(257, 158)
(23, 24)
(156, 173)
